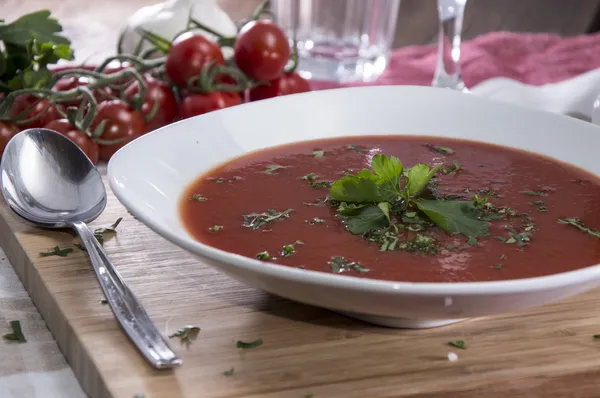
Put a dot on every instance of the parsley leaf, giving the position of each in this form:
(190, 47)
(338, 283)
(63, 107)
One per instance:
(458, 344)
(319, 154)
(249, 344)
(366, 219)
(259, 220)
(454, 216)
(418, 178)
(38, 25)
(17, 333)
(57, 251)
(272, 169)
(387, 168)
(186, 334)
(355, 189)
(577, 223)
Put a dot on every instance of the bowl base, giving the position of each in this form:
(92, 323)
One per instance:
(401, 323)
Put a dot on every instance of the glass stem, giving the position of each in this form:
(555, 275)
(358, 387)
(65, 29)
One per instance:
(447, 73)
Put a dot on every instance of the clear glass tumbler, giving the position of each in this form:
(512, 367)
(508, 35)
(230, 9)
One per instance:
(339, 40)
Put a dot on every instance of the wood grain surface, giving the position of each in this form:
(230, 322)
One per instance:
(546, 352)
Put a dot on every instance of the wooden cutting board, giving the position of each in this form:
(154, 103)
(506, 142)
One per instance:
(545, 352)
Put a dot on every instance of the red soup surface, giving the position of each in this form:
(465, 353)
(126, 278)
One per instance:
(532, 215)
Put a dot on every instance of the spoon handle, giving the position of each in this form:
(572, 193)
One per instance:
(127, 309)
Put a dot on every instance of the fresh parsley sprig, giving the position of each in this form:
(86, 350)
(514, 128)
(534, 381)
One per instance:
(377, 199)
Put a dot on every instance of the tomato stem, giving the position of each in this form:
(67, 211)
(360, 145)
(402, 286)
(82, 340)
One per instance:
(259, 10)
(294, 58)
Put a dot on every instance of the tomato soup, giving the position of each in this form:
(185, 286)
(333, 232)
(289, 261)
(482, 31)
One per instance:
(428, 210)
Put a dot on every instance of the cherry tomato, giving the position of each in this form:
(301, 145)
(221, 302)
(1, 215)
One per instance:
(122, 123)
(69, 83)
(289, 83)
(87, 145)
(189, 54)
(198, 104)
(262, 50)
(7, 131)
(48, 110)
(159, 95)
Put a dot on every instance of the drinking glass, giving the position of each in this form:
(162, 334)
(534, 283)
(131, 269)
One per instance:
(339, 40)
(447, 72)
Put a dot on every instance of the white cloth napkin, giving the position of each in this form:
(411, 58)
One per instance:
(573, 97)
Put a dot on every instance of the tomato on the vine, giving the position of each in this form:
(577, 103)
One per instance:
(87, 145)
(262, 50)
(39, 106)
(116, 66)
(7, 131)
(69, 83)
(198, 104)
(289, 83)
(159, 98)
(122, 124)
(188, 55)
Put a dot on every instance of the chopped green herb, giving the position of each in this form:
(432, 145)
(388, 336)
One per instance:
(249, 344)
(229, 372)
(99, 232)
(321, 184)
(356, 148)
(472, 241)
(502, 257)
(318, 202)
(57, 251)
(596, 337)
(443, 150)
(319, 154)
(420, 244)
(290, 250)
(272, 169)
(79, 246)
(309, 177)
(198, 198)
(264, 256)
(315, 221)
(451, 247)
(458, 344)
(541, 192)
(452, 169)
(215, 228)
(259, 220)
(580, 181)
(577, 223)
(186, 334)
(497, 266)
(220, 180)
(103, 300)
(340, 264)
(309, 396)
(17, 333)
(540, 205)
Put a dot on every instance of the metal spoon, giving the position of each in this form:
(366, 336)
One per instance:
(49, 181)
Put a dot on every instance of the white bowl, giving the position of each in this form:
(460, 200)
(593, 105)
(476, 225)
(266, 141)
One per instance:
(149, 176)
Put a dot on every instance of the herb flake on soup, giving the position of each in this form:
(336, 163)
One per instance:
(401, 208)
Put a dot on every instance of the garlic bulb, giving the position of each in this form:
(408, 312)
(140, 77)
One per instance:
(170, 18)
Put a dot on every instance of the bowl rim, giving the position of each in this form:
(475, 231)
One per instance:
(367, 285)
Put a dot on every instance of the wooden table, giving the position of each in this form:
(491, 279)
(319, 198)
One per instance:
(546, 352)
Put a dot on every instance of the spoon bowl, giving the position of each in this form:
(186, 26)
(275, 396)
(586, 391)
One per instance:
(49, 181)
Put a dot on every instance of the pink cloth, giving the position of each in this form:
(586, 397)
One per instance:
(530, 58)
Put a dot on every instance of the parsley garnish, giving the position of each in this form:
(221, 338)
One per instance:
(321, 184)
(259, 220)
(309, 177)
(215, 228)
(540, 205)
(264, 256)
(229, 372)
(443, 150)
(458, 344)
(198, 198)
(315, 221)
(577, 223)
(356, 148)
(290, 250)
(17, 333)
(541, 192)
(99, 232)
(319, 154)
(452, 169)
(249, 344)
(340, 264)
(497, 266)
(220, 180)
(57, 251)
(374, 200)
(318, 202)
(103, 300)
(186, 334)
(272, 169)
